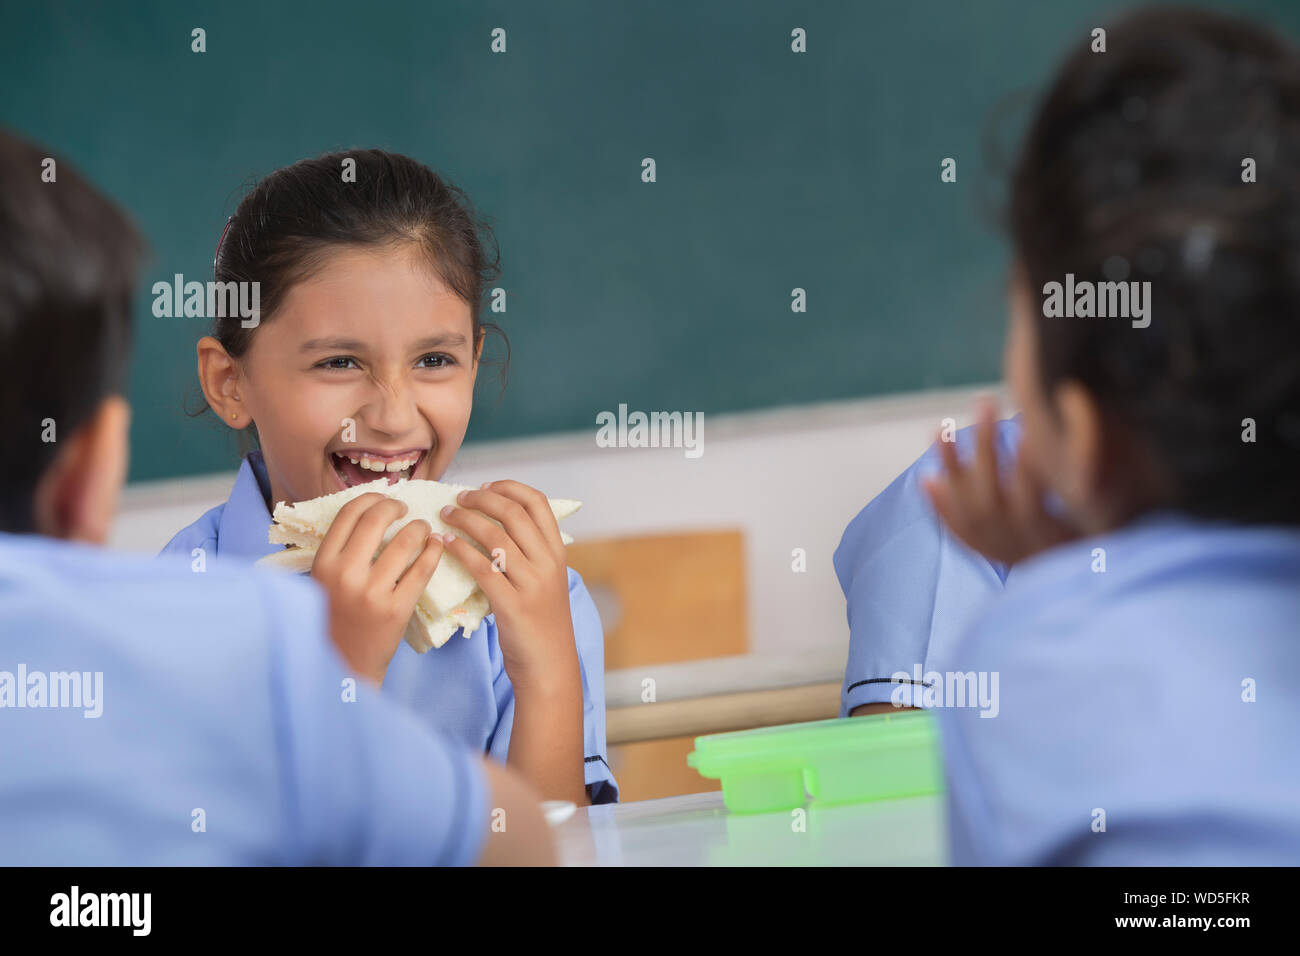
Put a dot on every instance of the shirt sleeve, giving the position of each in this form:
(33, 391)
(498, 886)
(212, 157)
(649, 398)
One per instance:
(911, 587)
(590, 636)
(363, 782)
(201, 534)
(590, 639)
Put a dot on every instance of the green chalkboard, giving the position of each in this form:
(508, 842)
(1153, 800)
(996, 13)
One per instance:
(775, 170)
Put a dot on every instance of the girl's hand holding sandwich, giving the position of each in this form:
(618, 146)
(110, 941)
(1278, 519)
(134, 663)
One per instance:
(371, 603)
(526, 579)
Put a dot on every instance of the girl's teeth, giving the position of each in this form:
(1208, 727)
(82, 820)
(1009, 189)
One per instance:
(371, 464)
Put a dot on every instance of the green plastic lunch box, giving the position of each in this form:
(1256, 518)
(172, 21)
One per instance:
(845, 760)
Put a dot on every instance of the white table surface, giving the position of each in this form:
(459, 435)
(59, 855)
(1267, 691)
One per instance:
(697, 830)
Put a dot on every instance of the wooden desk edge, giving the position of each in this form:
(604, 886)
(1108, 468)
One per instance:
(722, 712)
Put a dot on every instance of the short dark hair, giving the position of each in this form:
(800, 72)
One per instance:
(68, 266)
(1136, 156)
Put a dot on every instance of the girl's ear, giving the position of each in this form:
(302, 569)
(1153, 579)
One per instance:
(219, 378)
(478, 356)
(1082, 467)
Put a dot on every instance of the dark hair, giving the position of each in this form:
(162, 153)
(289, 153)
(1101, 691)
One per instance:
(68, 265)
(292, 219)
(1136, 156)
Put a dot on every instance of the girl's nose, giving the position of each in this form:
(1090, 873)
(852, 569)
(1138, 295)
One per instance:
(391, 408)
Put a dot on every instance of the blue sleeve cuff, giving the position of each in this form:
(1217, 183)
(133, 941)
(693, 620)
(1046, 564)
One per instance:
(882, 689)
(601, 785)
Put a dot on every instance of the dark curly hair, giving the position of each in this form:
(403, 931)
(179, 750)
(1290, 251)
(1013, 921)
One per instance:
(1135, 156)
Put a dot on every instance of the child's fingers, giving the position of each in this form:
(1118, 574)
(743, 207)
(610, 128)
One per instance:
(945, 505)
(493, 582)
(368, 533)
(952, 465)
(341, 529)
(1027, 503)
(1042, 529)
(399, 553)
(987, 479)
(956, 476)
(416, 578)
(493, 538)
(1022, 513)
(537, 506)
(1032, 492)
(516, 520)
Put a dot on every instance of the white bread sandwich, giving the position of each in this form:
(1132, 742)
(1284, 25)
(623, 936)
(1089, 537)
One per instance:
(451, 600)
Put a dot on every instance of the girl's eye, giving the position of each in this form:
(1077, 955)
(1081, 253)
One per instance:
(437, 360)
(339, 362)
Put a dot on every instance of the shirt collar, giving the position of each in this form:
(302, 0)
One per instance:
(246, 518)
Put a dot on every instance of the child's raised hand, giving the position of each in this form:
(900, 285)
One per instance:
(372, 599)
(526, 578)
(1004, 521)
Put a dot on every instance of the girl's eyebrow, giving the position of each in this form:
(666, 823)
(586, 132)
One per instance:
(444, 340)
(340, 345)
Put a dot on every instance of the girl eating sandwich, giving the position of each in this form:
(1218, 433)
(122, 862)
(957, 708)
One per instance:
(362, 364)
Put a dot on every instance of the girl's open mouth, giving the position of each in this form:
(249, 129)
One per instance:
(361, 466)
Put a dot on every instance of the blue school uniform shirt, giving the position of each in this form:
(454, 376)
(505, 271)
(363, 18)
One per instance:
(911, 586)
(203, 719)
(1161, 692)
(460, 688)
